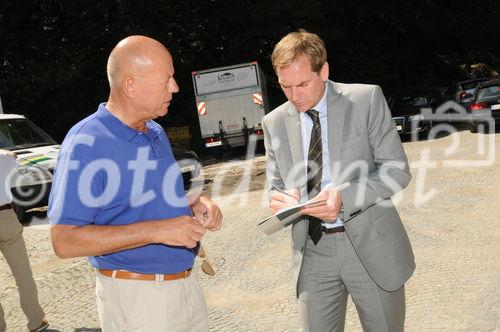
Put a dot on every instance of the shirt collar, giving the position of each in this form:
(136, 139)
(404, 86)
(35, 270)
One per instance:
(117, 127)
(321, 106)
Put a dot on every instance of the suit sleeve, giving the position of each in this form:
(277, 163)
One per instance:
(391, 173)
(273, 173)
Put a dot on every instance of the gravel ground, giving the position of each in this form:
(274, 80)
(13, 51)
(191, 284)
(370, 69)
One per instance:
(452, 217)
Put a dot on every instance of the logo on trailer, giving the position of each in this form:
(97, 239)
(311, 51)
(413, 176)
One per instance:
(226, 77)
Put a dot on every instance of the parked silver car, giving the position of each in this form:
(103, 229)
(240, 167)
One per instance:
(463, 91)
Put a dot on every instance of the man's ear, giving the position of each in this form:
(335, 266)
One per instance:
(128, 87)
(324, 72)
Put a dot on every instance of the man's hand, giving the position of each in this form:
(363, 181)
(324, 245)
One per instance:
(328, 212)
(280, 201)
(183, 231)
(207, 213)
(93, 240)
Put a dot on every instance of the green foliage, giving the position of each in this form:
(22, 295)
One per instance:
(53, 54)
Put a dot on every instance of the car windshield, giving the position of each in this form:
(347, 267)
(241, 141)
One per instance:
(409, 101)
(471, 85)
(489, 92)
(16, 134)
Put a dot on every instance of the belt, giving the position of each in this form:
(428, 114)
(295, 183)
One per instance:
(339, 229)
(5, 207)
(122, 274)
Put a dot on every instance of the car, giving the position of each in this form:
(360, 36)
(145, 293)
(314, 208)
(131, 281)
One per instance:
(463, 91)
(190, 166)
(37, 152)
(406, 109)
(36, 155)
(485, 105)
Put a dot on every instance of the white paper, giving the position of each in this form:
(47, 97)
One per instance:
(288, 216)
(285, 217)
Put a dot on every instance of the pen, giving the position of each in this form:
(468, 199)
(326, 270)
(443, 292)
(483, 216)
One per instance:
(338, 188)
(281, 191)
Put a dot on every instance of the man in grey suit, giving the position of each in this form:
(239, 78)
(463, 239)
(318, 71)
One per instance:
(326, 136)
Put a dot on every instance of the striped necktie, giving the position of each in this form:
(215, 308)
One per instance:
(314, 173)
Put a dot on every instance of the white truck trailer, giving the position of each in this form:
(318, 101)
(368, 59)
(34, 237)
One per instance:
(231, 102)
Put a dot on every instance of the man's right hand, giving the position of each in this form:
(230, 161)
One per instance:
(93, 240)
(183, 231)
(280, 201)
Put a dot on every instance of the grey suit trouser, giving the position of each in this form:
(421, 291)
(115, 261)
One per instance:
(332, 270)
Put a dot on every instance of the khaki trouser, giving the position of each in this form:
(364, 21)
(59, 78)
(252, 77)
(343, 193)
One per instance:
(14, 250)
(136, 305)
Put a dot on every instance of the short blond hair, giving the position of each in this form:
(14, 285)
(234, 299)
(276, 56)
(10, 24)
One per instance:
(299, 43)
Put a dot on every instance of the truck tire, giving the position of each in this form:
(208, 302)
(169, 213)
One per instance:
(22, 216)
(218, 152)
(260, 147)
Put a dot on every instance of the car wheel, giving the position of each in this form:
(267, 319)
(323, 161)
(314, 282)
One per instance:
(473, 128)
(22, 216)
(484, 126)
(425, 134)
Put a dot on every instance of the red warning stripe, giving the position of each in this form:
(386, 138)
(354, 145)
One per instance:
(202, 108)
(257, 98)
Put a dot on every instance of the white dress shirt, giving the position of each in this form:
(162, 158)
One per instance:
(306, 125)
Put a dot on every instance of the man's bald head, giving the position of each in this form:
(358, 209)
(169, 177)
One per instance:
(141, 77)
(134, 56)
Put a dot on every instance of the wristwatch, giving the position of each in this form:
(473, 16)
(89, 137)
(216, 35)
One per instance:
(341, 213)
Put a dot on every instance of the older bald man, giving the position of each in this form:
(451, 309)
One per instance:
(118, 197)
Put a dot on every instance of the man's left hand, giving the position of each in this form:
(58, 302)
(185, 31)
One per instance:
(328, 212)
(207, 213)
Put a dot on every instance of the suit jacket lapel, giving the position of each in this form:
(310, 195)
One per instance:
(337, 107)
(293, 130)
(294, 133)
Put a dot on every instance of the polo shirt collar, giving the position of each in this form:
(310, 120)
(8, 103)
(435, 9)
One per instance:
(120, 129)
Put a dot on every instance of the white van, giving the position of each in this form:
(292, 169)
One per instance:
(30, 178)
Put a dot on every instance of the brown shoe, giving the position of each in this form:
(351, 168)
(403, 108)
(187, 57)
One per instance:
(43, 327)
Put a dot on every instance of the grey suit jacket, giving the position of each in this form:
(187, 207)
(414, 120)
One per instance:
(365, 150)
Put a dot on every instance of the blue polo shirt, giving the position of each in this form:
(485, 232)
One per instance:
(110, 174)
